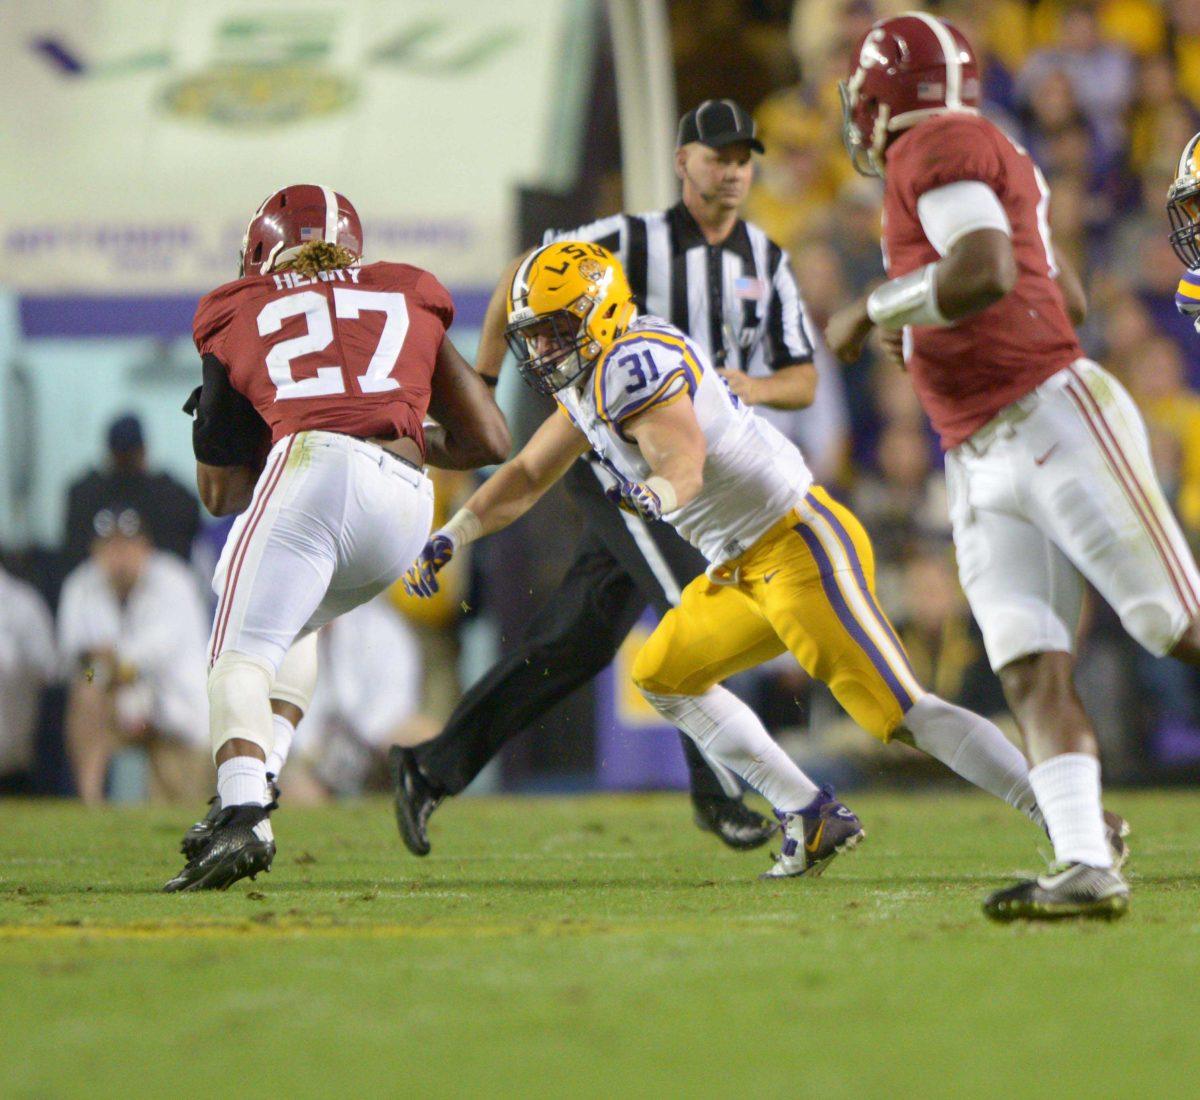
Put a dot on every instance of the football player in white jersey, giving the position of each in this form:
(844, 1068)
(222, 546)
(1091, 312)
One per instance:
(790, 567)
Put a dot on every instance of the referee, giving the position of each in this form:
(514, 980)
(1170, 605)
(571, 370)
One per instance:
(731, 288)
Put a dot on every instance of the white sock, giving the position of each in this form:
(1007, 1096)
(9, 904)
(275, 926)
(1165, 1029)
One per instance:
(284, 732)
(1068, 791)
(730, 732)
(242, 780)
(971, 746)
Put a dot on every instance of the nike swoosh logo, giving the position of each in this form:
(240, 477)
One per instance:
(767, 576)
(816, 840)
(1042, 460)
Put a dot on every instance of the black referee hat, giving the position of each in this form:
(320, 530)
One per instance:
(717, 123)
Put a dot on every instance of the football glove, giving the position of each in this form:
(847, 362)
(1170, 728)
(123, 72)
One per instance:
(636, 497)
(421, 578)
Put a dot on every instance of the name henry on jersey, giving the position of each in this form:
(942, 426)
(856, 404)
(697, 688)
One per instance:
(289, 280)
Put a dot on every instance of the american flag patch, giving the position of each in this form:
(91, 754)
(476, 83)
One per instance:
(749, 290)
(307, 233)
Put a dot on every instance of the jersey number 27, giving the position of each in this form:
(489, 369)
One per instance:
(314, 306)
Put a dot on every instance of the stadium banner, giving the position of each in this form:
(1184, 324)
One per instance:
(139, 138)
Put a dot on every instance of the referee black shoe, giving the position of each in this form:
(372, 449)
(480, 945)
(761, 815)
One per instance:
(732, 820)
(414, 798)
(198, 833)
(1074, 890)
(236, 848)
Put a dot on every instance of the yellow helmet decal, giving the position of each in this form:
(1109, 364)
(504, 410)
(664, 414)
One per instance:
(582, 288)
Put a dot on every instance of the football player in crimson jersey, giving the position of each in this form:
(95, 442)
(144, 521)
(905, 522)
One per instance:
(318, 373)
(1050, 479)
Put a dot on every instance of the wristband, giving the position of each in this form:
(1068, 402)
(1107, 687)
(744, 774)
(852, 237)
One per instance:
(665, 491)
(462, 528)
(909, 300)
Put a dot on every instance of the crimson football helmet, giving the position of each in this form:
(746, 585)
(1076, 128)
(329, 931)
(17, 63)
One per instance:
(906, 69)
(293, 216)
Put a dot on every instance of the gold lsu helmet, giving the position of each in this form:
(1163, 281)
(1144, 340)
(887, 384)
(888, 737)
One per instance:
(1183, 205)
(567, 304)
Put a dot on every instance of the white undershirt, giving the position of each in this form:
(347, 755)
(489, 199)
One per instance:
(949, 212)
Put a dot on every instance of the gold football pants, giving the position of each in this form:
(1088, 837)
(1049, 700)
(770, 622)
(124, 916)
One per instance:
(808, 586)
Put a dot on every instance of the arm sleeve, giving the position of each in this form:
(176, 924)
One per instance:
(1187, 294)
(956, 209)
(642, 373)
(789, 330)
(954, 151)
(226, 427)
(436, 299)
(213, 315)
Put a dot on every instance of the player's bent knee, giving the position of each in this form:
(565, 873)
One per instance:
(1155, 626)
(296, 679)
(239, 687)
(653, 675)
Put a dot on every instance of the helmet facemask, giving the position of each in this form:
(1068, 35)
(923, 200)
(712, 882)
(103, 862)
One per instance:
(553, 350)
(1183, 208)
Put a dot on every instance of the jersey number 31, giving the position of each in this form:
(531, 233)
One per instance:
(347, 305)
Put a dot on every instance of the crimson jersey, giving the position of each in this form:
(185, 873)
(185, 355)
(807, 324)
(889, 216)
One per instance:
(350, 350)
(966, 372)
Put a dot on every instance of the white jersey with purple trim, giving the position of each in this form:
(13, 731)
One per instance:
(753, 474)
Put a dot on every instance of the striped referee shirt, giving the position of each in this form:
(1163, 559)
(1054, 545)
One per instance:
(738, 299)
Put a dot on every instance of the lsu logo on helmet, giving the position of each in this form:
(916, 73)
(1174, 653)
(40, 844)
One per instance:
(567, 304)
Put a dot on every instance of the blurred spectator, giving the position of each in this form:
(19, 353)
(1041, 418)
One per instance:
(1158, 385)
(169, 511)
(132, 632)
(1185, 38)
(435, 620)
(368, 698)
(802, 170)
(1161, 120)
(903, 503)
(28, 662)
(1100, 74)
(1157, 276)
(822, 30)
(943, 643)
(855, 232)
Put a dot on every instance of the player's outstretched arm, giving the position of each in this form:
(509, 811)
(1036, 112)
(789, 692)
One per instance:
(471, 430)
(506, 496)
(489, 357)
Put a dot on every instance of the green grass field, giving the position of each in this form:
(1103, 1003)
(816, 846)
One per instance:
(587, 947)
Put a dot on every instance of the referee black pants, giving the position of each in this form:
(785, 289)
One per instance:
(574, 636)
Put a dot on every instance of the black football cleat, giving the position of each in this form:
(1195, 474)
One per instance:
(234, 851)
(197, 835)
(737, 826)
(414, 798)
(1075, 890)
